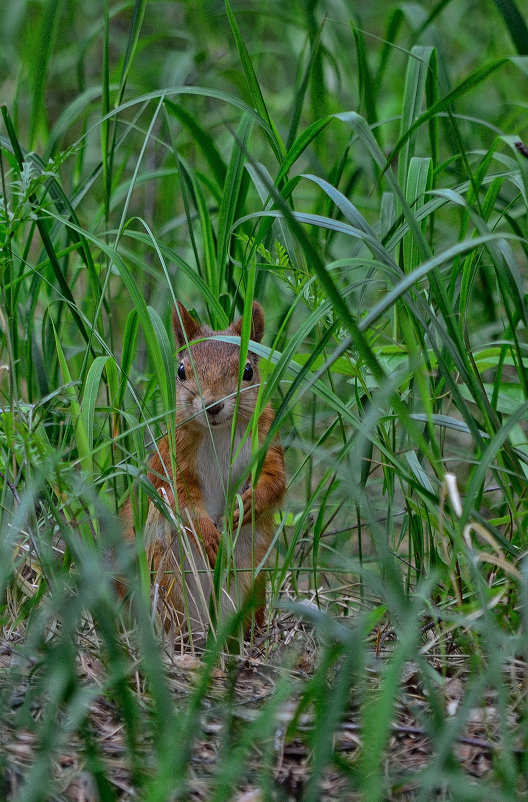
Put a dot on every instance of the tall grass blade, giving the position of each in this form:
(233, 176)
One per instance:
(89, 399)
(132, 43)
(81, 436)
(300, 94)
(418, 67)
(365, 81)
(515, 22)
(231, 198)
(254, 86)
(51, 15)
(201, 138)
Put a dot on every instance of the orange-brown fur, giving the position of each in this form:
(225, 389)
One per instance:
(202, 470)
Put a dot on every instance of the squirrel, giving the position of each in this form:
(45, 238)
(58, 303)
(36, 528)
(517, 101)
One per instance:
(210, 467)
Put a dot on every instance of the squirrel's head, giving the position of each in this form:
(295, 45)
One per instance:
(208, 370)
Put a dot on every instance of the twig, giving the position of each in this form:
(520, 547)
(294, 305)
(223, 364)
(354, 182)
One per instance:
(11, 486)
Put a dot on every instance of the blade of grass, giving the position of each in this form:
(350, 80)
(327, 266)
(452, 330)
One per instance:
(81, 437)
(419, 177)
(45, 42)
(254, 87)
(201, 138)
(89, 399)
(210, 274)
(515, 23)
(230, 197)
(418, 66)
(366, 84)
(301, 92)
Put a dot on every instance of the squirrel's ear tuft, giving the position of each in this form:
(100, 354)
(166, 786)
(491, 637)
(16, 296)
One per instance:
(184, 325)
(257, 323)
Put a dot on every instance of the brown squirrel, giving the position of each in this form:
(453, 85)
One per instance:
(210, 468)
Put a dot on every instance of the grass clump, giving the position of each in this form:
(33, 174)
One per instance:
(365, 180)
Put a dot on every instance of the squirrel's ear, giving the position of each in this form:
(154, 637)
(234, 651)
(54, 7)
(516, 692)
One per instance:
(257, 323)
(184, 325)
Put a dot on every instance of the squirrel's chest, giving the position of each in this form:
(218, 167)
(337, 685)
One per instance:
(219, 470)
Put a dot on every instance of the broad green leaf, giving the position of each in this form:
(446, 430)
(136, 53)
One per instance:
(89, 397)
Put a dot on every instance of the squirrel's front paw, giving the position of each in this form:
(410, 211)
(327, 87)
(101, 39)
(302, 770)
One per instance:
(211, 549)
(210, 537)
(245, 508)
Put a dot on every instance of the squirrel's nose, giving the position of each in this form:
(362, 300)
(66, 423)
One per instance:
(215, 409)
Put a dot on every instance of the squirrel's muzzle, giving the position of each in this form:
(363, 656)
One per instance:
(214, 410)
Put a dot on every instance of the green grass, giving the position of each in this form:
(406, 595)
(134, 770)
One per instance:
(359, 176)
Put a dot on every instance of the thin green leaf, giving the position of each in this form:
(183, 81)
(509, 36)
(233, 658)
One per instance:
(202, 138)
(418, 66)
(254, 87)
(129, 346)
(40, 65)
(515, 22)
(230, 197)
(301, 92)
(81, 437)
(366, 84)
(89, 398)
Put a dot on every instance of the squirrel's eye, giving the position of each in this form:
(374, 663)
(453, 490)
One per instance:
(248, 373)
(181, 372)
